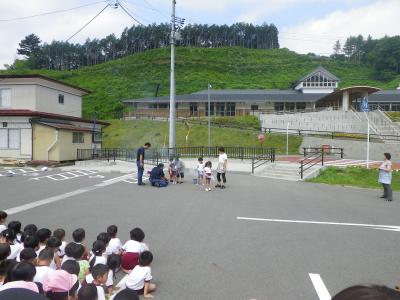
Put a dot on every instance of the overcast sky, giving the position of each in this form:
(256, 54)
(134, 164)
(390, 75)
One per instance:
(304, 25)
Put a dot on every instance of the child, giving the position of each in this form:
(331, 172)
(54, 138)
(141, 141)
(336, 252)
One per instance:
(60, 234)
(208, 175)
(71, 266)
(88, 292)
(54, 244)
(45, 258)
(221, 168)
(16, 227)
(105, 238)
(60, 285)
(132, 249)
(114, 263)
(5, 251)
(200, 171)
(99, 275)
(9, 237)
(74, 251)
(97, 254)
(126, 294)
(3, 218)
(172, 171)
(180, 169)
(140, 277)
(5, 265)
(29, 255)
(115, 245)
(43, 235)
(79, 237)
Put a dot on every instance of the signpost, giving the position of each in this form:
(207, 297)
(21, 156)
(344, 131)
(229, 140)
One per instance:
(365, 109)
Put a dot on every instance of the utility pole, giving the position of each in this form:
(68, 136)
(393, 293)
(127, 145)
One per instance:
(172, 109)
(209, 117)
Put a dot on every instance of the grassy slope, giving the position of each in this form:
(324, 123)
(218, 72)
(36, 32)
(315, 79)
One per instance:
(129, 134)
(136, 76)
(353, 176)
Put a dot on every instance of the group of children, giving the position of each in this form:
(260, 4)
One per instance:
(44, 263)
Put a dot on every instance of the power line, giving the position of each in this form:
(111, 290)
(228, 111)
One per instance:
(88, 23)
(127, 12)
(130, 10)
(51, 12)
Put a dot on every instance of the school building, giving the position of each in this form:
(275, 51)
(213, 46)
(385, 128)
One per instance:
(316, 91)
(41, 120)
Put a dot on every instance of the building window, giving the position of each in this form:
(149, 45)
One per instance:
(163, 105)
(5, 98)
(279, 106)
(230, 109)
(193, 109)
(10, 139)
(211, 109)
(290, 106)
(78, 138)
(60, 99)
(395, 107)
(254, 107)
(152, 106)
(220, 109)
(301, 106)
(97, 137)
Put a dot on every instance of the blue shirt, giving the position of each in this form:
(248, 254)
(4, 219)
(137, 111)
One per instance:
(140, 151)
(157, 173)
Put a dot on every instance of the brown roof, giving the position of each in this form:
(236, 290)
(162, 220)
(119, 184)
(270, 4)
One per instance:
(65, 126)
(45, 78)
(39, 114)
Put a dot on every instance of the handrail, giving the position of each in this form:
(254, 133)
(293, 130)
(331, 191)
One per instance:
(261, 160)
(311, 162)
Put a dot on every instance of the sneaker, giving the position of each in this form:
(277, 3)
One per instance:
(222, 186)
(206, 190)
(218, 185)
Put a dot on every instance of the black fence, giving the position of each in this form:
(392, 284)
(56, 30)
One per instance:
(315, 156)
(155, 156)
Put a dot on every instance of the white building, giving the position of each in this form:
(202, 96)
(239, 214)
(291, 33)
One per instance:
(41, 119)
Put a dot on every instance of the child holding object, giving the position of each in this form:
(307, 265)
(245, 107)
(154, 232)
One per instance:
(208, 175)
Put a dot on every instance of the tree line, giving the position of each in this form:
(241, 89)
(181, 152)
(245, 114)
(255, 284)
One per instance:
(60, 55)
(382, 54)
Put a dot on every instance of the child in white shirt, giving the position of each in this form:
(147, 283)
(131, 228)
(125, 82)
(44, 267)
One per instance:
(200, 171)
(45, 258)
(115, 245)
(3, 218)
(140, 278)
(132, 249)
(208, 175)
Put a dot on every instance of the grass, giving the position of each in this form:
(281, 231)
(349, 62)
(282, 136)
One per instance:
(354, 176)
(394, 115)
(138, 75)
(134, 133)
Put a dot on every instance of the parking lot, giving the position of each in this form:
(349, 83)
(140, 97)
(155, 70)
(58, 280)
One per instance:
(257, 239)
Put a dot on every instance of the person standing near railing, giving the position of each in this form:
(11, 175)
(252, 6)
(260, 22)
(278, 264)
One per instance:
(385, 177)
(140, 162)
(221, 169)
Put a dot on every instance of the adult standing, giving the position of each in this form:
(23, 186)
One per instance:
(385, 177)
(140, 162)
(221, 168)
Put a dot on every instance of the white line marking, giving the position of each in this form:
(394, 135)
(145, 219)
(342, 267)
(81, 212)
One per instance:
(379, 227)
(320, 287)
(21, 208)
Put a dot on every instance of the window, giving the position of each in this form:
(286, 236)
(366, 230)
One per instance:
(254, 107)
(152, 106)
(60, 99)
(290, 106)
(279, 106)
(10, 138)
(77, 138)
(193, 109)
(163, 105)
(220, 109)
(211, 109)
(97, 137)
(300, 106)
(230, 109)
(5, 98)
(395, 107)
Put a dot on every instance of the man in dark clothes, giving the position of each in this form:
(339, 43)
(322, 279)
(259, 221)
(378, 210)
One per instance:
(140, 162)
(157, 176)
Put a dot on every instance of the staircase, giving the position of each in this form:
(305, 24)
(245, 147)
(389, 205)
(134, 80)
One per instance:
(384, 126)
(286, 171)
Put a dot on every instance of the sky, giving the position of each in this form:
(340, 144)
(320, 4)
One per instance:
(304, 25)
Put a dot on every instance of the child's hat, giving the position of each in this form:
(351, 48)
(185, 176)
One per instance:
(59, 281)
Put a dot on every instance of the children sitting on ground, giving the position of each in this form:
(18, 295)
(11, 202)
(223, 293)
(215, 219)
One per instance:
(99, 277)
(208, 175)
(115, 245)
(60, 234)
(43, 264)
(79, 237)
(29, 255)
(200, 171)
(3, 218)
(97, 257)
(132, 249)
(140, 278)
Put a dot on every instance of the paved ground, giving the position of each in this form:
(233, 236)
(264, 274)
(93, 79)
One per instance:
(203, 251)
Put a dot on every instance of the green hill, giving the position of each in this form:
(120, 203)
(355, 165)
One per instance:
(138, 75)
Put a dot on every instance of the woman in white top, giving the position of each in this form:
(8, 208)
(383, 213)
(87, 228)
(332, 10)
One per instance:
(385, 177)
(221, 169)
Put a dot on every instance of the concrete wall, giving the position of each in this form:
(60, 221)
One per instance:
(22, 96)
(68, 150)
(47, 101)
(43, 138)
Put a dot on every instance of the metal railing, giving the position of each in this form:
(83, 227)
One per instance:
(260, 161)
(155, 156)
(313, 156)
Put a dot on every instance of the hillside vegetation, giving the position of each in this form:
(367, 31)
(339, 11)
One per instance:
(134, 133)
(138, 75)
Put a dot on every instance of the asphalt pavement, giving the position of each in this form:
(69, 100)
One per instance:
(257, 239)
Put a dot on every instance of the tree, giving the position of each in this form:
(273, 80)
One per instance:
(30, 45)
(337, 48)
